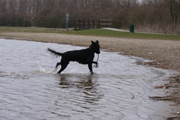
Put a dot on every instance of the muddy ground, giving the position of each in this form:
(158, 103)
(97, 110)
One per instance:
(163, 53)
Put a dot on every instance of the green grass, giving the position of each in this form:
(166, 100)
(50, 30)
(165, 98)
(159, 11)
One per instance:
(119, 34)
(28, 29)
(92, 32)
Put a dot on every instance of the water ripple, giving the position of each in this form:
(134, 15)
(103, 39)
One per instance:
(119, 89)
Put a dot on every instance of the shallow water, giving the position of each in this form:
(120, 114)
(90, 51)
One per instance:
(119, 89)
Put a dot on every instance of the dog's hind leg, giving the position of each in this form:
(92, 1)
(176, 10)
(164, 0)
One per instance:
(58, 63)
(63, 66)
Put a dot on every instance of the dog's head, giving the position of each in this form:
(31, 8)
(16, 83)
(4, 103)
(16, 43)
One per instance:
(95, 46)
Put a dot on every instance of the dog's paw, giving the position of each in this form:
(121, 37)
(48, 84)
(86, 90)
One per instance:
(96, 65)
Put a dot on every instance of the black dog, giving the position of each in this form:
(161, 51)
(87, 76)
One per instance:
(84, 56)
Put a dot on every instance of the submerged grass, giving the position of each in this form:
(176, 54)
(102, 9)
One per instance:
(92, 32)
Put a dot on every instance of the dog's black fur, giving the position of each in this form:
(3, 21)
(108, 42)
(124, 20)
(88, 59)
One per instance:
(84, 56)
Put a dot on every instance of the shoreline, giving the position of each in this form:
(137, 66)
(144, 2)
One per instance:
(163, 53)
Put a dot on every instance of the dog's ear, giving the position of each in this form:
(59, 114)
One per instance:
(92, 41)
(97, 41)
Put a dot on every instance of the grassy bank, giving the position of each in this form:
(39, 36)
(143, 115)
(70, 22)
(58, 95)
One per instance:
(28, 29)
(111, 33)
(92, 32)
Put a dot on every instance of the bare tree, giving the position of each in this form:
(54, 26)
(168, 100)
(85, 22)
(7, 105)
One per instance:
(51, 13)
(174, 8)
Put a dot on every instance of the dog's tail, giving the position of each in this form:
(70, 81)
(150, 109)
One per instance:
(54, 52)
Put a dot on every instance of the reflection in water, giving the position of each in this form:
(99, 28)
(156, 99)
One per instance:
(86, 84)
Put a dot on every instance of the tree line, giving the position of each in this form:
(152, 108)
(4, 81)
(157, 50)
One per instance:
(147, 15)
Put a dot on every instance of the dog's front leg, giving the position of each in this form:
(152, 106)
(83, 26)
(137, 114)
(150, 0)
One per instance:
(90, 67)
(95, 63)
